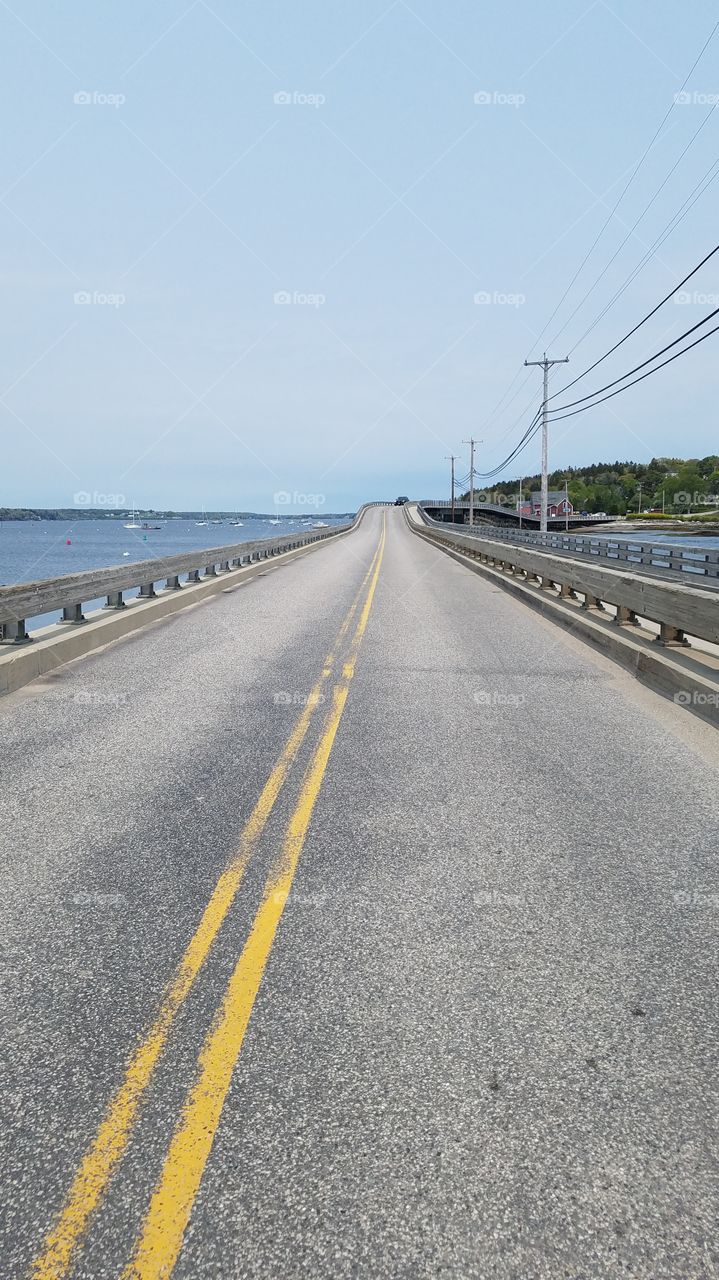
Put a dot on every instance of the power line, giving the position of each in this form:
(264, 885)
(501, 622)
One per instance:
(637, 326)
(633, 228)
(532, 428)
(628, 184)
(643, 365)
(559, 415)
(542, 413)
(704, 183)
(649, 373)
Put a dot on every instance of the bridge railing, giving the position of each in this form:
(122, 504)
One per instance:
(70, 592)
(676, 608)
(444, 504)
(691, 559)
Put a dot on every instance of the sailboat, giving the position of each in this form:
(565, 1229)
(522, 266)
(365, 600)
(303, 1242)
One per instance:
(134, 524)
(199, 524)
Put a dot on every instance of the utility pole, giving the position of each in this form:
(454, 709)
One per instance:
(639, 506)
(520, 502)
(546, 365)
(471, 444)
(452, 457)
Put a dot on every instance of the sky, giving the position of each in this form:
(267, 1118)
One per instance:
(291, 253)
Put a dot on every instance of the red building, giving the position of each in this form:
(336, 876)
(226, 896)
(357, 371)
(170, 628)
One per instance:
(558, 504)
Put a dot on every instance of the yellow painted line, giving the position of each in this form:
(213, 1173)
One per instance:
(110, 1143)
(159, 1244)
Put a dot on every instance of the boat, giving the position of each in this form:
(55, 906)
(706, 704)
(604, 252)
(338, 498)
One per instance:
(134, 523)
(200, 524)
(237, 524)
(320, 524)
(275, 522)
(147, 526)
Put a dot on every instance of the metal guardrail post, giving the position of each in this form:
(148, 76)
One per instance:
(72, 613)
(625, 617)
(15, 632)
(669, 635)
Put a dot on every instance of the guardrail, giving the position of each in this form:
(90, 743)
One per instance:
(70, 592)
(678, 610)
(691, 559)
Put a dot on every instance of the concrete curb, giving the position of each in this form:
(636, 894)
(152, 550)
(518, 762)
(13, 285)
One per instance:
(53, 646)
(652, 667)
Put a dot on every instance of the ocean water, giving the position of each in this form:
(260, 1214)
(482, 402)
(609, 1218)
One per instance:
(700, 541)
(36, 549)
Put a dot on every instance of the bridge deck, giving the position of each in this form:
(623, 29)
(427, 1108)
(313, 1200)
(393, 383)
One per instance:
(489, 1004)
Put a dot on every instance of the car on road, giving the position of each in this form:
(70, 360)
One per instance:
(399, 502)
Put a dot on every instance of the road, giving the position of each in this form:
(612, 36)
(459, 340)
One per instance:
(358, 922)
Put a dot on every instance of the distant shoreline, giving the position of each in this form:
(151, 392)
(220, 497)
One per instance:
(34, 514)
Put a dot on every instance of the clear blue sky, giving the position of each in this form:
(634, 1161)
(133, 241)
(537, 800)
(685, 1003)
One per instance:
(381, 198)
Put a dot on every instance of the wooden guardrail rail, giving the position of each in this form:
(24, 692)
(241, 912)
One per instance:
(693, 561)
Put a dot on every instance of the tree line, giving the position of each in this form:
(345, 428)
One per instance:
(676, 485)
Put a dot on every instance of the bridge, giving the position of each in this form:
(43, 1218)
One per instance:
(504, 514)
(360, 911)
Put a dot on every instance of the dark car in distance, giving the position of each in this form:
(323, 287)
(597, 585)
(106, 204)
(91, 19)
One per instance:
(399, 502)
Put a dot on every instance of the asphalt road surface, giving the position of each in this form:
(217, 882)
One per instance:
(358, 922)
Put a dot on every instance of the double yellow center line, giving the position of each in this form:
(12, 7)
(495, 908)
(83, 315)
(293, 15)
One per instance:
(161, 1236)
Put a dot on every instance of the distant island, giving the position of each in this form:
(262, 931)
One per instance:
(100, 513)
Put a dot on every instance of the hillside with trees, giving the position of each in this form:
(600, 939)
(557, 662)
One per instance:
(680, 484)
